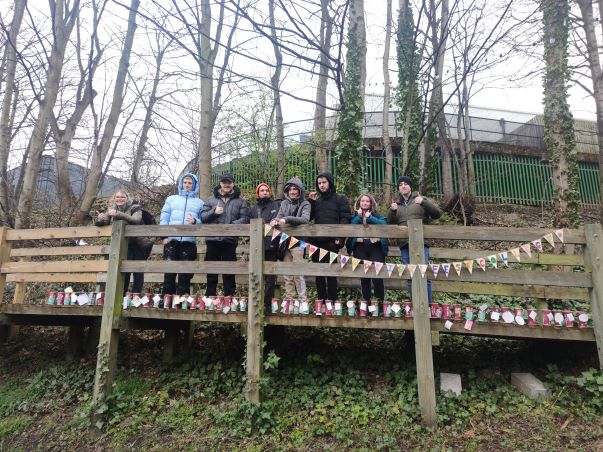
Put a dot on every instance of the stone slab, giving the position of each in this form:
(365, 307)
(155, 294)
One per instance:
(529, 385)
(450, 384)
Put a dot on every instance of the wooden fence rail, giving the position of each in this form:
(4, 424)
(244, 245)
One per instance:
(22, 262)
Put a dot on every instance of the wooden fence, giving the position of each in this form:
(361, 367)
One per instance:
(23, 260)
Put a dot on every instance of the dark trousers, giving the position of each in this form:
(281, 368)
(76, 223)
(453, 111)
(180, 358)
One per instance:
(136, 253)
(326, 287)
(220, 251)
(178, 251)
(269, 280)
(366, 250)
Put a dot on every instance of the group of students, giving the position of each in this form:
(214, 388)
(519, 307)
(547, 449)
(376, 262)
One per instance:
(323, 206)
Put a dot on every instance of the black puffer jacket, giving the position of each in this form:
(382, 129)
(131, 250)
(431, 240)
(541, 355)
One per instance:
(329, 208)
(267, 209)
(236, 211)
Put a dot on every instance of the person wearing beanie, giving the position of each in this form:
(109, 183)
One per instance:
(328, 207)
(294, 210)
(225, 207)
(412, 206)
(266, 208)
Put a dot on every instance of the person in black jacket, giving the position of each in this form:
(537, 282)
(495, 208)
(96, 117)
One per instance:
(328, 207)
(267, 208)
(225, 207)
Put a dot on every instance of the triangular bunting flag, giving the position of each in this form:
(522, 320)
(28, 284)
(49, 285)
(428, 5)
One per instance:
(422, 270)
(411, 269)
(332, 257)
(401, 268)
(293, 242)
(275, 233)
(312, 249)
(322, 253)
(469, 265)
(559, 234)
(549, 238)
(435, 268)
(481, 262)
(283, 238)
(458, 266)
(526, 249)
(355, 263)
(267, 229)
(302, 245)
(367, 266)
(538, 245)
(493, 261)
(344, 260)
(446, 268)
(378, 267)
(515, 252)
(504, 257)
(390, 268)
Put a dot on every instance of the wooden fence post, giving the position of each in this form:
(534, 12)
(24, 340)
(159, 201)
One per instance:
(594, 249)
(255, 312)
(4, 258)
(109, 334)
(422, 326)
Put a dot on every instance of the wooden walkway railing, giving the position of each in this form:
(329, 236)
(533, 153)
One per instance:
(577, 276)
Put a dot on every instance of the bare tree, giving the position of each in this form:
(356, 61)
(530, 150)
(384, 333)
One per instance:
(387, 144)
(278, 112)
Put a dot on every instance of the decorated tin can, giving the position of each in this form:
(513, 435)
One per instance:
(100, 298)
(547, 317)
(91, 298)
(328, 304)
(519, 317)
(458, 311)
(387, 309)
(569, 319)
(351, 305)
(397, 309)
(235, 304)
(338, 309)
(481, 315)
(559, 318)
(66, 299)
(445, 311)
(363, 308)
(318, 307)
(210, 303)
(147, 300)
(226, 301)
(532, 316)
(408, 309)
(52, 298)
(374, 308)
(295, 307)
(494, 314)
(156, 300)
(274, 305)
(167, 301)
(582, 319)
(285, 307)
(469, 312)
(304, 307)
(201, 299)
(433, 310)
(507, 315)
(243, 304)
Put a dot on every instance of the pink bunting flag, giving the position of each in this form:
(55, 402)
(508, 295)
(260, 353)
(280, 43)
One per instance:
(469, 265)
(283, 238)
(422, 270)
(322, 253)
(367, 266)
(550, 239)
(504, 257)
(312, 250)
(481, 262)
(378, 267)
(458, 266)
(275, 233)
(446, 268)
(516, 254)
(435, 268)
(526, 249)
(493, 260)
(390, 268)
(401, 268)
(355, 263)
(411, 269)
(267, 229)
(344, 260)
(538, 245)
(332, 257)
(559, 234)
(293, 242)
(302, 245)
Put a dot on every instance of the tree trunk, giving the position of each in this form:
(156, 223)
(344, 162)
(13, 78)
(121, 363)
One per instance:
(596, 75)
(275, 81)
(320, 110)
(10, 58)
(387, 144)
(101, 151)
(359, 27)
(63, 22)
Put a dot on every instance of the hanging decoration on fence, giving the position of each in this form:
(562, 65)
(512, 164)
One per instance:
(491, 261)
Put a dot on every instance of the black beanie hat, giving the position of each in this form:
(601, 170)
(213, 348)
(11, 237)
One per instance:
(406, 179)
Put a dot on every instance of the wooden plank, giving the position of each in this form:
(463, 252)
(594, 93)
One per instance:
(67, 266)
(109, 335)
(5, 247)
(60, 251)
(498, 234)
(530, 277)
(59, 233)
(19, 295)
(189, 230)
(460, 254)
(225, 268)
(346, 230)
(56, 277)
(594, 250)
(51, 310)
(184, 315)
(422, 327)
(255, 312)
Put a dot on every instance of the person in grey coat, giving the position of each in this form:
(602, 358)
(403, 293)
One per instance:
(225, 207)
(294, 210)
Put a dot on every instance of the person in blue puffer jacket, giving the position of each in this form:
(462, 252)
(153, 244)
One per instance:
(183, 208)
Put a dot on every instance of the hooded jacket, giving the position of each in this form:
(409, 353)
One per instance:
(236, 211)
(374, 218)
(131, 213)
(294, 212)
(266, 209)
(178, 207)
(329, 208)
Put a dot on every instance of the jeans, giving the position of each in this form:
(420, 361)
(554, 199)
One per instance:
(405, 256)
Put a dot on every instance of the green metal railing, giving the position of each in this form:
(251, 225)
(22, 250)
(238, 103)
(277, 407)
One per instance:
(498, 178)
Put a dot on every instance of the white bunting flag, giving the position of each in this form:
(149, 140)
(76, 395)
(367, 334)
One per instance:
(355, 263)
(435, 268)
(446, 268)
(504, 257)
(322, 253)
(378, 267)
(275, 233)
(267, 229)
(516, 254)
(344, 260)
(401, 268)
(526, 249)
(559, 234)
(283, 238)
(332, 257)
(422, 270)
(493, 261)
(411, 269)
(367, 266)
(549, 238)
(481, 262)
(293, 242)
(538, 245)
(311, 250)
(390, 269)
(458, 266)
(469, 265)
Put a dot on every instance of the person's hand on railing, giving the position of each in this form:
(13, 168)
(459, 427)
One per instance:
(101, 216)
